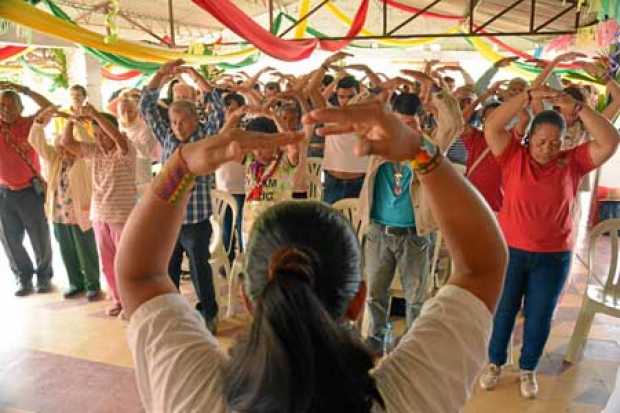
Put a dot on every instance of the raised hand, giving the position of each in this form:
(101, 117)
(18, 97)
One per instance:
(381, 132)
(568, 57)
(44, 116)
(506, 61)
(336, 57)
(169, 68)
(206, 155)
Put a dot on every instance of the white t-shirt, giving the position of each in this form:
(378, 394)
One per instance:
(179, 364)
(230, 177)
(338, 155)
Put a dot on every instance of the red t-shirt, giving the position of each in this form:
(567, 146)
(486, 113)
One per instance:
(14, 172)
(539, 199)
(487, 177)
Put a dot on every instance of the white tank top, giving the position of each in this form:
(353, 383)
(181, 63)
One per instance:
(339, 156)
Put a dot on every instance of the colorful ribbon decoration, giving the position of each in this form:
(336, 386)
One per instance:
(411, 9)
(304, 9)
(243, 25)
(338, 13)
(130, 74)
(26, 15)
(12, 52)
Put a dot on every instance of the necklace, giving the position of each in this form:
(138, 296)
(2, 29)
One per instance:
(398, 178)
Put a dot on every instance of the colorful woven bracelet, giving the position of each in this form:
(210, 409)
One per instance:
(174, 180)
(428, 157)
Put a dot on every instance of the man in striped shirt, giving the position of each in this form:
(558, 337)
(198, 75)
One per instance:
(183, 125)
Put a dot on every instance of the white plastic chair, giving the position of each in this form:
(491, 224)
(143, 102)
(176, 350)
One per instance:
(349, 208)
(315, 178)
(602, 293)
(220, 201)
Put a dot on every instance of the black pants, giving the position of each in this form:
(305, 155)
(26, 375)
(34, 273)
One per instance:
(194, 240)
(21, 212)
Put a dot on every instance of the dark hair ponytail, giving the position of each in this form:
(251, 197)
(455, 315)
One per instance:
(297, 358)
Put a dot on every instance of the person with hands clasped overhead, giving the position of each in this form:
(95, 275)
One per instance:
(540, 185)
(300, 289)
(22, 193)
(181, 127)
(67, 206)
(114, 192)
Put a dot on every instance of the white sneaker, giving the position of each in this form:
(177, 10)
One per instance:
(529, 385)
(490, 377)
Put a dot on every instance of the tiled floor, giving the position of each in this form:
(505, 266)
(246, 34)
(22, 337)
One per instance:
(67, 356)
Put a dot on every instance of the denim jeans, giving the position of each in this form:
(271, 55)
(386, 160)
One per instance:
(337, 189)
(227, 232)
(22, 212)
(383, 255)
(194, 240)
(535, 279)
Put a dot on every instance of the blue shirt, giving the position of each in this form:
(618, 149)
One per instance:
(199, 206)
(388, 208)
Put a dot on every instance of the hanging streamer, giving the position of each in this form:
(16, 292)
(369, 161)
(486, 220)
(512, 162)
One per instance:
(341, 15)
(304, 9)
(243, 25)
(26, 15)
(12, 52)
(130, 74)
(411, 9)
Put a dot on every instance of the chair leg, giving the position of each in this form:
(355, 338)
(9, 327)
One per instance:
(580, 334)
(232, 283)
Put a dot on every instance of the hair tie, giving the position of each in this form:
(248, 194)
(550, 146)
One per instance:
(291, 261)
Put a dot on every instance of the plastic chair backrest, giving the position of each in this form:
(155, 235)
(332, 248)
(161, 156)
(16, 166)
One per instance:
(314, 166)
(220, 201)
(349, 208)
(606, 277)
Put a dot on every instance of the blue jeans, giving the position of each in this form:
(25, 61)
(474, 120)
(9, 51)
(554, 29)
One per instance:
(194, 239)
(536, 280)
(240, 199)
(383, 255)
(337, 189)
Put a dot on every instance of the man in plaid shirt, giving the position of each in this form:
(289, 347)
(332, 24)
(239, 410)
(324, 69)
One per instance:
(183, 125)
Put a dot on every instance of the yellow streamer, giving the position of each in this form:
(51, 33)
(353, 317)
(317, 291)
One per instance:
(304, 8)
(26, 15)
(491, 55)
(341, 15)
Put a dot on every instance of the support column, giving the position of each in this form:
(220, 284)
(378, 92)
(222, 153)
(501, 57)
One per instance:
(85, 70)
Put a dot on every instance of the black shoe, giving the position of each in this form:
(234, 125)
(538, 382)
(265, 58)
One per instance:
(73, 292)
(93, 295)
(44, 286)
(24, 290)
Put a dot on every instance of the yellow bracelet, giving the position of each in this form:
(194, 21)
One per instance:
(175, 179)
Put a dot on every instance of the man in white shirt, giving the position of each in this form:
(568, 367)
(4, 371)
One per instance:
(344, 171)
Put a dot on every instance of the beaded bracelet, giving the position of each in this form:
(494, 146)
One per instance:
(175, 179)
(428, 157)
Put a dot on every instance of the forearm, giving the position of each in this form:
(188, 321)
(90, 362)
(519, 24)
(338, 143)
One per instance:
(156, 82)
(612, 109)
(36, 138)
(503, 115)
(485, 80)
(147, 242)
(469, 81)
(604, 135)
(40, 100)
(476, 245)
(112, 132)
(69, 142)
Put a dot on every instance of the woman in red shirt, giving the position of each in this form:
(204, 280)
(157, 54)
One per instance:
(540, 183)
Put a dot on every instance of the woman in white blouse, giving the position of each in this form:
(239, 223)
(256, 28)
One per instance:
(303, 280)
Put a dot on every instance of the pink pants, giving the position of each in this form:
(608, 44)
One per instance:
(108, 237)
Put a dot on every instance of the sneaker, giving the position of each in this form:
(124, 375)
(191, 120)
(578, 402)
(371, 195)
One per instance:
(93, 295)
(114, 310)
(72, 292)
(529, 385)
(24, 290)
(490, 377)
(44, 286)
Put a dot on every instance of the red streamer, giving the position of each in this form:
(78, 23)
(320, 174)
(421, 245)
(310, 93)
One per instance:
(120, 76)
(10, 51)
(412, 9)
(243, 25)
